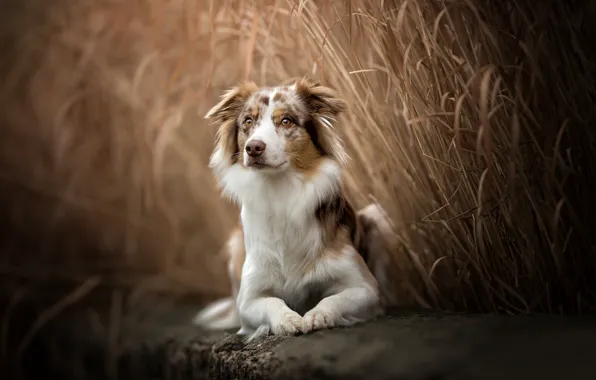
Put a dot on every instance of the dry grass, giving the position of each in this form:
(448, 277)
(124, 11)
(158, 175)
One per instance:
(472, 124)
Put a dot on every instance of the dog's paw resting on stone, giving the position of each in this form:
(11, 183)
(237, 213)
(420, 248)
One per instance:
(317, 319)
(288, 323)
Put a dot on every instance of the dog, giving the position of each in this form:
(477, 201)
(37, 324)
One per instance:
(295, 260)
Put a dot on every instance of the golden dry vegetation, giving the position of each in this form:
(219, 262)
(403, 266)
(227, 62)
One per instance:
(471, 122)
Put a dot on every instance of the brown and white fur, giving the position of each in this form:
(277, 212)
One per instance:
(293, 262)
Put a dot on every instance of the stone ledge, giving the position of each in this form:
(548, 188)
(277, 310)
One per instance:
(406, 344)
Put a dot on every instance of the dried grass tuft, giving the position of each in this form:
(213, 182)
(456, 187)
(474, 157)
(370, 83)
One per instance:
(470, 121)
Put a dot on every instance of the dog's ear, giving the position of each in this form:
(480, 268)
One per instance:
(320, 99)
(324, 105)
(232, 101)
(226, 112)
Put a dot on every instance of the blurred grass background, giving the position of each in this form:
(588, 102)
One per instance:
(471, 122)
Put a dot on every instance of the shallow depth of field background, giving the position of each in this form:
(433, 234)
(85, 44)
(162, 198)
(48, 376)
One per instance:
(472, 123)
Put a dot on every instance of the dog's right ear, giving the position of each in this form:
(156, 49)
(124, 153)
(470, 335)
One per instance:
(232, 101)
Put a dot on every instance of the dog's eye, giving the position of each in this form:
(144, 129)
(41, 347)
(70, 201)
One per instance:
(247, 121)
(286, 121)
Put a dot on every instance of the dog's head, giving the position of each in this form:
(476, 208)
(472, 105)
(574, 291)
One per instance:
(271, 130)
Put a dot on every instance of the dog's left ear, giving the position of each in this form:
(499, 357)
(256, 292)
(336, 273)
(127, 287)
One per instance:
(320, 99)
(324, 104)
(232, 101)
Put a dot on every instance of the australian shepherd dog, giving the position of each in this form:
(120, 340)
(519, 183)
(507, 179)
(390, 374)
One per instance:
(296, 260)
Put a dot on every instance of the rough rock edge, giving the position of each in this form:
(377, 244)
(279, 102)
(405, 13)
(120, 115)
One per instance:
(405, 344)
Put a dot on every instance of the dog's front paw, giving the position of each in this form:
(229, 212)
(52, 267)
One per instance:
(317, 319)
(289, 323)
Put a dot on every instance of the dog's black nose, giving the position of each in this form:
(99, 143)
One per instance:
(255, 148)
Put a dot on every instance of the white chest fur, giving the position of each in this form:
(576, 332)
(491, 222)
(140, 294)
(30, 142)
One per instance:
(282, 235)
(279, 249)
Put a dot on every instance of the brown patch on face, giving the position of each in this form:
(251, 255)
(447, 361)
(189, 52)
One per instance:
(240, 143)
(300, 148)
(301, 151)
(320, 105)
(278, 97)
(254, 112)
(264, 100)
(277, 115)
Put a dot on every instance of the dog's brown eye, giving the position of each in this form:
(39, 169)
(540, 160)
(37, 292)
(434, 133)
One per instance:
(286, 121)
(248, 121)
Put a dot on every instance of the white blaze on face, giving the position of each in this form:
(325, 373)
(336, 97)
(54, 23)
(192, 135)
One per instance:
(266, 131)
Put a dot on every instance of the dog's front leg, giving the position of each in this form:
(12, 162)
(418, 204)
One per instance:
(346, 307)
(353, 297)
(260, 312)
(268, 314)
